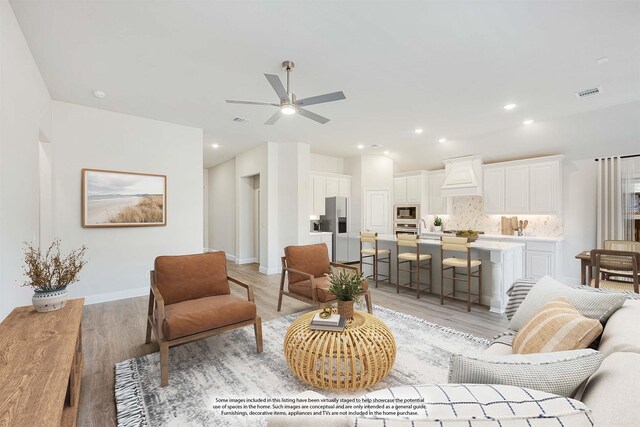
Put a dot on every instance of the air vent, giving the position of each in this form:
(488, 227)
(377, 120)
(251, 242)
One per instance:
(375, 146)
(238, 119)
(589, 92)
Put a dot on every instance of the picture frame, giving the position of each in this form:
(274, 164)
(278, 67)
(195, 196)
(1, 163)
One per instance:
(123, 199)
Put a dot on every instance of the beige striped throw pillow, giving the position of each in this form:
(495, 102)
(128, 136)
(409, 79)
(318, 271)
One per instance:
(558, 326)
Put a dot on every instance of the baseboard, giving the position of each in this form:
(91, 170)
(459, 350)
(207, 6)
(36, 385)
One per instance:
(114, 296)
(230, 257)
(265, 270)
(246, 260)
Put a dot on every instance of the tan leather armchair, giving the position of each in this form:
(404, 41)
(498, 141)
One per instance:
(190, 299)
(305, 268)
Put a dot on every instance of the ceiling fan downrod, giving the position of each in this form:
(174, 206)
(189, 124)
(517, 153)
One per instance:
(288, 66)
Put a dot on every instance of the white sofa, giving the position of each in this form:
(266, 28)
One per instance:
(612, 393)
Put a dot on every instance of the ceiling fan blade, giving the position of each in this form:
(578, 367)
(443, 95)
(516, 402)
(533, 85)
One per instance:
(276, 84)
(273, 119)
(237, 101)
(313, 116)
(328, 97)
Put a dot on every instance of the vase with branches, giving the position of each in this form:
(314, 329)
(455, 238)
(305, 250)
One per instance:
(49, 273)
(346, 286)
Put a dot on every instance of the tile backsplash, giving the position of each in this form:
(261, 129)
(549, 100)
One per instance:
(466, 212)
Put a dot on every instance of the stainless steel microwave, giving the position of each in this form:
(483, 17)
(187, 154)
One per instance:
(406, 213)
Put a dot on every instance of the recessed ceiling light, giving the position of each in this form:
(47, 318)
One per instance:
(386, 152)
(360, 146)
(527, 122)
(215, 145)
(99, 94)
(602, 60)
(442, 140)
(418, 131)
(510, 106)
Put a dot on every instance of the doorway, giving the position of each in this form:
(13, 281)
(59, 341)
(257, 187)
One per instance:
(376, 211)
(249, 220)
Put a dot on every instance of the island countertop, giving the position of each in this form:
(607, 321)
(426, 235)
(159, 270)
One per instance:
(478, 244)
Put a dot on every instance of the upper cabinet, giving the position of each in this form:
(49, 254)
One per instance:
(410, 188)
(323, 185)
(437, 202)
(531, 186)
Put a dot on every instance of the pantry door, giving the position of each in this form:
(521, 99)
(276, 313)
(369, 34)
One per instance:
(377, 214)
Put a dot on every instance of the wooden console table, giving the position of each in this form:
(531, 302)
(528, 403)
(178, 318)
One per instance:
(41, 366)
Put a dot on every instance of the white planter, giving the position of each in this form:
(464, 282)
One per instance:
(49, 301)
(437, 228)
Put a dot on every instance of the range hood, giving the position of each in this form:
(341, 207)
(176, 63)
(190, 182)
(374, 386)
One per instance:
(463, 177)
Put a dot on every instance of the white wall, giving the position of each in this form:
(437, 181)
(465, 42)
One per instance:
(321, 163)
(293, 195)
(120, 258)
(222, 208)
(579, 210)
(25, 118)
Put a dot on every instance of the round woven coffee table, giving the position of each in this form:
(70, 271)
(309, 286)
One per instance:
(354, 359)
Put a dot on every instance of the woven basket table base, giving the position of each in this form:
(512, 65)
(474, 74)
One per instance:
(357, 358)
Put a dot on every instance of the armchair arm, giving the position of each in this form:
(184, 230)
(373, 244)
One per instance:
(248, 287)
(346, 266)
(158, 299)
(310, 278)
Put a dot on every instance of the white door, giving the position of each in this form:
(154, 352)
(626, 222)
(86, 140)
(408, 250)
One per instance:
(493, 192)
(543, 187)
(516, 195)
(400, 190)
(413, 189)
(376, 211)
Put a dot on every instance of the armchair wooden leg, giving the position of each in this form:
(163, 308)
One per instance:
(164, 364)
(367, 298)
(148, 337)
(257, 328)
(281, 290)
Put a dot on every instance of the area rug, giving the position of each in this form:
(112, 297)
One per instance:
(227, 365)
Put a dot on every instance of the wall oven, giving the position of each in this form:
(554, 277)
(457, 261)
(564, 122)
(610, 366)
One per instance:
(406, 228)
(406, 213)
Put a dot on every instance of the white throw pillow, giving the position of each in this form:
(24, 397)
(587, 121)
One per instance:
(560, 372)
(594, 305)
(482, 405)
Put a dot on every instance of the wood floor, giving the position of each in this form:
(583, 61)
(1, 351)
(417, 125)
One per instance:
(114, 331)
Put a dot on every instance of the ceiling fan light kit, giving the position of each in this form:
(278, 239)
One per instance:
(288, 103)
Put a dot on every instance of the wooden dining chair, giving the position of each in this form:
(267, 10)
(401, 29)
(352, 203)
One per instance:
(616, 270)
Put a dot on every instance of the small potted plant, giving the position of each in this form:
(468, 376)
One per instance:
(437, 224)
(50, 273)
(346, 287)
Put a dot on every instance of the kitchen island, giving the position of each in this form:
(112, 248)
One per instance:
(502, 264)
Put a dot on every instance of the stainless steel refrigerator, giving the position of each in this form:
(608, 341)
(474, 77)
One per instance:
(346, 248)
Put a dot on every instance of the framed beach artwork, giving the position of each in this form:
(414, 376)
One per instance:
(123, 199)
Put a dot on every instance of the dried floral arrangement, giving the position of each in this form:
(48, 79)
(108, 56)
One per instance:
(346, 286)
(49, 271)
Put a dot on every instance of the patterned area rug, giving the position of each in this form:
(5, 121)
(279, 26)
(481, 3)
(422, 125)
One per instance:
(227, 365)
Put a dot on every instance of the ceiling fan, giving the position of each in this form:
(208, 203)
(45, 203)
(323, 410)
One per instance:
(288, 103)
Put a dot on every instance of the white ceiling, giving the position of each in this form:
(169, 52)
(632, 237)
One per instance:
(447, 67)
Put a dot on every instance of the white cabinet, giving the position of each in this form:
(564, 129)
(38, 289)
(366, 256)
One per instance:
(543, 188)
(414, 189)
(516, 193)
(323, 185)
(543, 259)
(493, 192)
(319, 191)
(530, 186)
(437, 203)
(400, 190)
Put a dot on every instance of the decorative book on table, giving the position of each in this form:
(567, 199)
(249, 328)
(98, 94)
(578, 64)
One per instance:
(335, 323)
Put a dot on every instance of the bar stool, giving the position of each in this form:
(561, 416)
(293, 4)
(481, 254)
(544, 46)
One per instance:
(369, 249)
(411, 241)
(459, 244)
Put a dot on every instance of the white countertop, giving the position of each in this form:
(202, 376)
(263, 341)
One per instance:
(316, 233)
(505, 237)
(481, 245)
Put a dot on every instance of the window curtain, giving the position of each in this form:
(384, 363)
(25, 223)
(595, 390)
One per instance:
(630, 180)
(609, 216)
